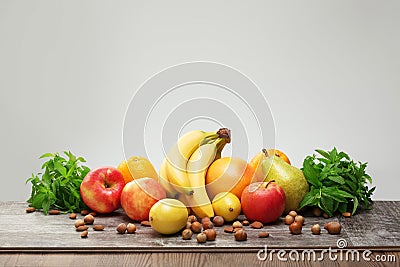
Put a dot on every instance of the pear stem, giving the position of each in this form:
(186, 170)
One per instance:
(265, 151)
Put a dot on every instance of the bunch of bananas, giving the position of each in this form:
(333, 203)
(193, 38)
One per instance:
(183, 170)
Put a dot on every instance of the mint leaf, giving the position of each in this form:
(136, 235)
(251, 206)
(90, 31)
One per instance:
(344, 194)
(308, 200)
(323, 153)
(310, 172)
(60, 168)
(47, 155)
(59, 186)
(342, 207)
(341, 181)
(355, 205)
(332, 192)
(337, 179)
(327, 205)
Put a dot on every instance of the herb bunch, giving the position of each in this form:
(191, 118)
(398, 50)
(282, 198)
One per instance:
(337, 183)
(59, 185)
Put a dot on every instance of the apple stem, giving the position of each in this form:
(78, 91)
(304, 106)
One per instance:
(268, 183)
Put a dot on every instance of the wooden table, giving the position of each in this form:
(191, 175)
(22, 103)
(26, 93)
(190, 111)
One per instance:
(34, 239)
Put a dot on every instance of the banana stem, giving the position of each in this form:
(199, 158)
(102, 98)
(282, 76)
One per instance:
(225, 133)
(211, 137)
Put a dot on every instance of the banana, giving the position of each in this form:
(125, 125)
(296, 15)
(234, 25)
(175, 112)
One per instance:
(196, 170)
(179, 155)
(220, 147)
(163, 180)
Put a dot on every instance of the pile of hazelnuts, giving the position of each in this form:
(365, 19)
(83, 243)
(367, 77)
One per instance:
(296, 223)
(205, 229)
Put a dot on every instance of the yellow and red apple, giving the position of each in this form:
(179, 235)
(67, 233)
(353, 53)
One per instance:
(138, 196)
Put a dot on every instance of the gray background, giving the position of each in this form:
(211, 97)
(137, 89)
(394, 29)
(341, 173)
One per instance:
(329, 69)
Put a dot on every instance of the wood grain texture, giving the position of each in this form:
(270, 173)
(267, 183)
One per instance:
(34, 232)
(376, 228)
(178, 259)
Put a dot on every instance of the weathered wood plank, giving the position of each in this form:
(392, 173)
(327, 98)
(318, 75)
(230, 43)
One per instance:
(20, 231)
(181, 259)
(376, 228)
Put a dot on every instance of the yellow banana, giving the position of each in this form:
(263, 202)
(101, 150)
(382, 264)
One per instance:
(220, 147)
(197, 167)
(163, 180)
(178, 157)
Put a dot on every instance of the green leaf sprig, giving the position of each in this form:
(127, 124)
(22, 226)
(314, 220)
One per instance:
(337, 183)
(59, 185)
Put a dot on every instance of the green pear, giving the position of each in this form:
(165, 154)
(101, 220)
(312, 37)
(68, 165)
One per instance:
(290, 178)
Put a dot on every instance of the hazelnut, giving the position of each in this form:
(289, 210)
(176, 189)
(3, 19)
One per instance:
(295, 228)
(94, 214)
(72, 216)
(240, 235)
(325, 215)
(211, 234)
(299, 219)
(201, 238)
(88, 219)
(205, 219)
(188, 225)
(316, 229)
(333, 228)
(79, 223)
(192, 219)
(130, 228)
(208, 225)
(187, 234)
(196, 227)
(292, 213)
(317, 212)
(218, 220)
(237, 224)
(289, 219)
(121, 228)
(84, 212)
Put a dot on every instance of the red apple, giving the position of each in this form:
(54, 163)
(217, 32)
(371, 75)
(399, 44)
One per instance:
(101, 189)
(139, 196)
(263, 202)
